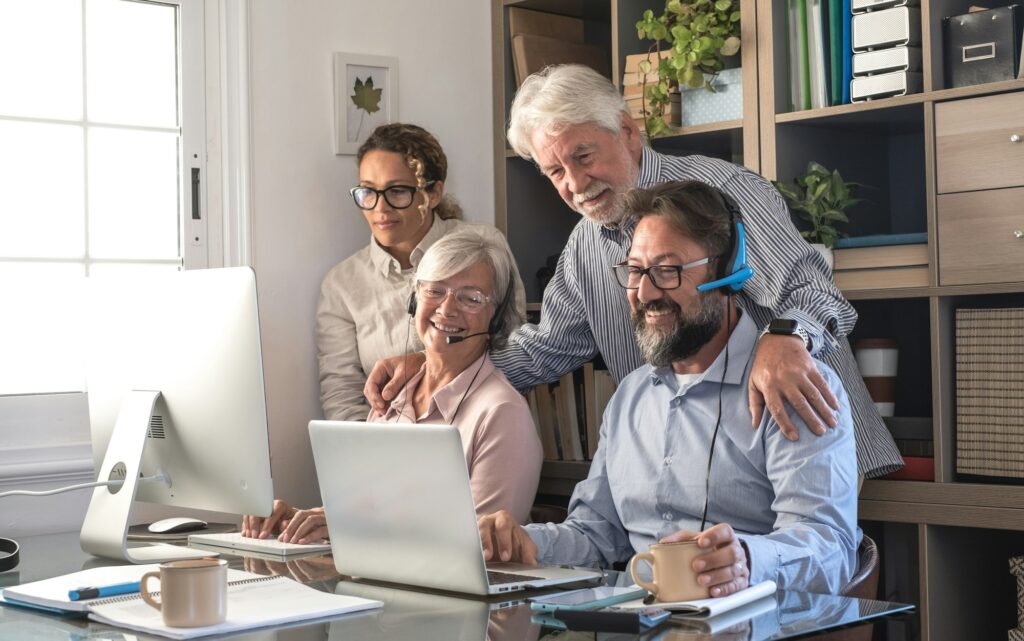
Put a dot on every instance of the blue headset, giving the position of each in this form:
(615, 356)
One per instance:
(733, 269)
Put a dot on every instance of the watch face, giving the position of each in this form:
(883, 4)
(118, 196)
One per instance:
(782, 326)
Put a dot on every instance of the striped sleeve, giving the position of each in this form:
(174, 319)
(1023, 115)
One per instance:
(563, 341)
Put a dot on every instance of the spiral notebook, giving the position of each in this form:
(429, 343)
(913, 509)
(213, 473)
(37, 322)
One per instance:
(254, 601)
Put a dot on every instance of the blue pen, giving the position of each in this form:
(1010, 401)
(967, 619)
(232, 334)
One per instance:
(81, 594)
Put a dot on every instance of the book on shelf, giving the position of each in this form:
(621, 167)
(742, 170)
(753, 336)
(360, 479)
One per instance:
(531, 53)
(569, 412)
(882, 256)
(542, 23)
(546, 422)
(254, 601)
(882, 278)
(568, 420)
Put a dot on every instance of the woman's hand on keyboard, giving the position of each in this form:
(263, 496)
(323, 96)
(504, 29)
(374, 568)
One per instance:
(305, 526)
(258, 527)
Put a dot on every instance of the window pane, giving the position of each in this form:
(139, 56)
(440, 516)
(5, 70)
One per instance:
(43, 339)
(41, 193)
(131, 63)
(41, 59)
(130, 271)
(133, 194)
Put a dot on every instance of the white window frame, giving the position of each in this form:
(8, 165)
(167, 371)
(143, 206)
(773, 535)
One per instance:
(59, 451)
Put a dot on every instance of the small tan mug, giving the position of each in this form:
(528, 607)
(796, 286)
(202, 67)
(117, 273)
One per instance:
(193, 593)
(672, 567)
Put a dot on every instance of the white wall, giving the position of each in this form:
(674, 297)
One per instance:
(304, 219)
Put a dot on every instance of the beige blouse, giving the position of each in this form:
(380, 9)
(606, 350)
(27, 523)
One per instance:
(363, 317)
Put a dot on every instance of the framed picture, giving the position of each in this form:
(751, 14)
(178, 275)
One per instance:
(365, 97)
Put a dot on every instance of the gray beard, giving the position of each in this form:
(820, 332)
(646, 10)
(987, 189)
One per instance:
(686, 337)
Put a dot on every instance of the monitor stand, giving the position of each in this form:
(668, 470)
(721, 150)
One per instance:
(105, 530)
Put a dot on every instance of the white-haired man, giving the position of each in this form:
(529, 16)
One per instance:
(575, 126)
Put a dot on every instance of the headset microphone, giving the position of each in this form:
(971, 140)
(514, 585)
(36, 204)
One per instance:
(451, 340)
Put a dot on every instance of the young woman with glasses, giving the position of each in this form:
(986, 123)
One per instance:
(362, 316)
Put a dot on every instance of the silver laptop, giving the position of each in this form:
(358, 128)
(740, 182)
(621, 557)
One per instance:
(399, 509)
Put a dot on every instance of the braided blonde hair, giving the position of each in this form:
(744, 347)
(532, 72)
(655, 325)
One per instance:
(423, 154)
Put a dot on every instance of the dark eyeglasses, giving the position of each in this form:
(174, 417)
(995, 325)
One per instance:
(664, 277)
(398, 196)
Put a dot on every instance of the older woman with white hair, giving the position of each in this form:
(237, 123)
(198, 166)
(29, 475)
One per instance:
(462, 308)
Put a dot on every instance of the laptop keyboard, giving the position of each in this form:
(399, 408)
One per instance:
(498, 578)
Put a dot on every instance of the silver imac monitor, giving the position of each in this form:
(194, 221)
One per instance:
(175, 385)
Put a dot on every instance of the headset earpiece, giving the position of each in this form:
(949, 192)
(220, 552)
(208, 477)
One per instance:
(412, 302)
(498, 320)
(732, 269)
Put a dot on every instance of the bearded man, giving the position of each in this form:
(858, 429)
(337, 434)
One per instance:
(677, 459)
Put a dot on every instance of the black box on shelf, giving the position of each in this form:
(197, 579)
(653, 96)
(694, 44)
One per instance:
(983, 46)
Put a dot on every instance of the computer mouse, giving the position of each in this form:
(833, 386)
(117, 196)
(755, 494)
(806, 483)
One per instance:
(176, 524)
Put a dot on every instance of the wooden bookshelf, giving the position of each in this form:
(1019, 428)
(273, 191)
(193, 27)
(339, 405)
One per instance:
(952, 536)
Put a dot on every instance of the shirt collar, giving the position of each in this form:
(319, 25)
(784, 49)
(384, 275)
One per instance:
(740, 347)
(385, 263)
(650, 167)
(446, 400)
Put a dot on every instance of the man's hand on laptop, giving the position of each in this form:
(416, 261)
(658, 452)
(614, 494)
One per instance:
(505, 540)
(388, 376)
(725, 567)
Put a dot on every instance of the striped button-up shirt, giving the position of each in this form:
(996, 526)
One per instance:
(585, 311)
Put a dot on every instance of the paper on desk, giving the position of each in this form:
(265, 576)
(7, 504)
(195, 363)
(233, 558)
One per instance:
(251, 605)
(708, 607)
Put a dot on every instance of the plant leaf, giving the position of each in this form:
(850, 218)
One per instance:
(365, 97)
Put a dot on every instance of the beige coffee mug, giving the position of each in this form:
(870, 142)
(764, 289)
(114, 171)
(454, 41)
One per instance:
(193, 592)
(672, 567)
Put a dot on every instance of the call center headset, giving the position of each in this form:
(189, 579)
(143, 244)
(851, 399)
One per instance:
(732, 270)
(497, 322)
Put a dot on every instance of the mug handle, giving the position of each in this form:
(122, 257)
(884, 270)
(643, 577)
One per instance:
(145, 593)
(643, 556)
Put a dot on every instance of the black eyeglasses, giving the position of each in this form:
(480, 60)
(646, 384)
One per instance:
(664, 277)
(398, 196)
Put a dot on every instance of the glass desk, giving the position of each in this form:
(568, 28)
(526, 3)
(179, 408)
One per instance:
(411, 614)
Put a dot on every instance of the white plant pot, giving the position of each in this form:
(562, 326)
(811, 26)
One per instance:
(826, 253)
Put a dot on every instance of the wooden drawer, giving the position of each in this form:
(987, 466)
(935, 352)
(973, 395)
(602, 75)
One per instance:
(978, 237)
(974, 146)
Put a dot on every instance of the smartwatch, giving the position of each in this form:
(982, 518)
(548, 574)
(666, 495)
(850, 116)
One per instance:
(8, 554)
(788, 327)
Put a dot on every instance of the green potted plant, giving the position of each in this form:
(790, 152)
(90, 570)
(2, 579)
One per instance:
(820, 197)
(697, 34)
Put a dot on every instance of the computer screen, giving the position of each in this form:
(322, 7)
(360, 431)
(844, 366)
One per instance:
(193, 337)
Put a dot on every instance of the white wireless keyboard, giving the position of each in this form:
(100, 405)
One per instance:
(236, 541)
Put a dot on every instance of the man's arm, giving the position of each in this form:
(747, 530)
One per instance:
(813, 545)
(563, 340)
(341, 372)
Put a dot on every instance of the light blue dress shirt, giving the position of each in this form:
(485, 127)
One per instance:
(793, 504)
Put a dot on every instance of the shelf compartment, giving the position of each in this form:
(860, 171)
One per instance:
(970, 591)
(715, 140)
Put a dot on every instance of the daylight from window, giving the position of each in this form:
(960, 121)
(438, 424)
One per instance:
(91, 173)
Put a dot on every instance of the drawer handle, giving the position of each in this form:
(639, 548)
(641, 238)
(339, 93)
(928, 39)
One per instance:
(1018, 233)
(1015, 138)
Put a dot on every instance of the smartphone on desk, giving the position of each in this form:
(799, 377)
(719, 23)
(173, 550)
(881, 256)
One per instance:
(586, 599)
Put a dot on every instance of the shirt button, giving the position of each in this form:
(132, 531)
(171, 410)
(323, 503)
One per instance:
(667, 516)
(668, 460)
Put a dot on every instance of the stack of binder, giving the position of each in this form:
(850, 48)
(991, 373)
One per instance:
(820, 53)
(886, 45)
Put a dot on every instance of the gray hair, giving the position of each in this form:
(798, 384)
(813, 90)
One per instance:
(559, 96)
(461, 250)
